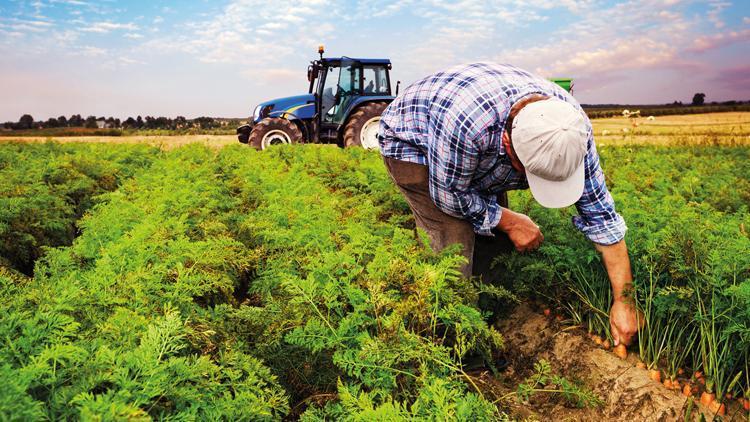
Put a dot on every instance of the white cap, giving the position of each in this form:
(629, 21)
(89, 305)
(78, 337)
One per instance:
(550, 139)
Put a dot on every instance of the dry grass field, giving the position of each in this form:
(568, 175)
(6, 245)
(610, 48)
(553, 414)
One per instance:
(732, 128)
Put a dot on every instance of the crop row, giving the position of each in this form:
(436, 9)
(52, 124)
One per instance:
(221, 285)
(46, 188)
(687, 209)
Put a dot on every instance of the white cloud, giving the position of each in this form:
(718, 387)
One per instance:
(746, 20)
(106, 27)
(709, 42)
(158, 20)
(714, 15)
(133, 35)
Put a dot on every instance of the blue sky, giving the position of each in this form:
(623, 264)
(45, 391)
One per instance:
(214, 58)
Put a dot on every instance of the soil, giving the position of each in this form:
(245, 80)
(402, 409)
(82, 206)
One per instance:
(627, 392)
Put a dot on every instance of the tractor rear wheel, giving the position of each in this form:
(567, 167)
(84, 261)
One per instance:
(362, 129)
(274, 131)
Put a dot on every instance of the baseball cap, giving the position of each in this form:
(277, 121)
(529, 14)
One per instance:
(550, 139)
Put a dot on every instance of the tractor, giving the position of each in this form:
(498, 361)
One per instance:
(343, 106)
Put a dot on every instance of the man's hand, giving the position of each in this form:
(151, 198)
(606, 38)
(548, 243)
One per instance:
(521, 230)
(623, 317)
(624, 321)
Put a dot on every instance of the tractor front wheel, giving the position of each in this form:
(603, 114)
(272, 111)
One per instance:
(362, 129)
(274, 131)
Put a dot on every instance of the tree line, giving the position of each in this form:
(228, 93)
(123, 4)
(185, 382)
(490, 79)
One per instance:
(27, 122)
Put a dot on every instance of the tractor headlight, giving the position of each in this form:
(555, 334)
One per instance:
(256, 113)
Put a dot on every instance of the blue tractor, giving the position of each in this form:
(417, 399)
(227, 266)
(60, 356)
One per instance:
(343, 106)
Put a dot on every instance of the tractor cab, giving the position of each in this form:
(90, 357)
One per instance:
(341, 84)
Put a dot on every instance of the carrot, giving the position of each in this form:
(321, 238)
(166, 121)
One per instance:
(746, 404)
(655, 375)
(559, 318)
(621, 351)
(686, 391)
(698, 375)
(668, 383)
(680, 371)
(717, 408)
(676, 385)
(547, 312)
(598, 340)
(606, 344)
(640, 365)
(707, 398)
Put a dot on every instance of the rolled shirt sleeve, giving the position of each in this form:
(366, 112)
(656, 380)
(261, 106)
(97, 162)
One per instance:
(451, 163)
(597, 218)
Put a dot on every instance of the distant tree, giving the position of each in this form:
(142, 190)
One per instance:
(117, 123)
(129, 123)
(205, 122)
(75, 121)
(25, 122)
(62, 121)
(8, 125)
(699, 98)
(51, 122)
(139, 122)
(90, 122)
(180, 122)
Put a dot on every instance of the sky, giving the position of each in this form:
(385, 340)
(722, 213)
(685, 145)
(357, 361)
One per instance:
(221, 58)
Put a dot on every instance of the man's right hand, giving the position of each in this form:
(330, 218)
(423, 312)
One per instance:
(521, 230)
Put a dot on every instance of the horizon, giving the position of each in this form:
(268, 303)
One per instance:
(197, 58)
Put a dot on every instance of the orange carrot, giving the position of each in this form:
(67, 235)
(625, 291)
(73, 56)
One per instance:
(559, 318)
(655, 375)
(640, 365)
(606, 344)
(746, 404)
(621, 351)
(680, 371)
(707, 398)
(686, 391)
(668, 383)
(547, 312)
(698, 374)
(717, 408)
(598, 340)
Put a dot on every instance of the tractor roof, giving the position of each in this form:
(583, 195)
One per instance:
(337, 60)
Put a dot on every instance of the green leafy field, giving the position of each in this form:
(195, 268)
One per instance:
(205, 284)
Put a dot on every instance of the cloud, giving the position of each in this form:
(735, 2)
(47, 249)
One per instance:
(706, 43)
(133, 35)
(714, 15)
(746, 20)
(106, 27)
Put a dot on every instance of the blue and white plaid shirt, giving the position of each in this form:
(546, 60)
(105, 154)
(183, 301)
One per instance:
(453, 121)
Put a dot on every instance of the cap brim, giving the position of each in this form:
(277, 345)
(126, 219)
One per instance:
(554, 194)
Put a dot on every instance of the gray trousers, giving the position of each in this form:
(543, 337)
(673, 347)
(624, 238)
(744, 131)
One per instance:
(444, 229)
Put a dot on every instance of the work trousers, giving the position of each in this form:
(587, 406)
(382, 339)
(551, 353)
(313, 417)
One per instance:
(443, 229)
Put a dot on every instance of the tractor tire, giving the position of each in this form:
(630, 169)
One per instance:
(362, 128)
(274, 131)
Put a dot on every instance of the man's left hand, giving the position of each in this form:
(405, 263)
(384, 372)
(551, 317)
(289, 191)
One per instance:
(624, 319)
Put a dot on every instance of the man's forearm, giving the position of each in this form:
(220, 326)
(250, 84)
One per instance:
(617, 263)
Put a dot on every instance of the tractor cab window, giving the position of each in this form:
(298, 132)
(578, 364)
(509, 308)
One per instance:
(328, 94)
(375, 81)
(345, 90)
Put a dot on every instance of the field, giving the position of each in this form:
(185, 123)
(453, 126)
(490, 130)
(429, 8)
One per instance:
(145, 278)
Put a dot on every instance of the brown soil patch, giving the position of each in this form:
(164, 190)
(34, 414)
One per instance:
(627, 392)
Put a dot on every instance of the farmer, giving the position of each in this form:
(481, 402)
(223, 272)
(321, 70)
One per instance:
(456, 140)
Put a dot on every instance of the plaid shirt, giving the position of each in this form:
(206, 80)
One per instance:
(452, 122)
